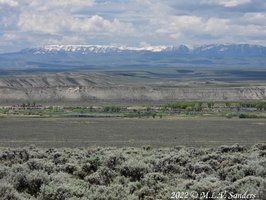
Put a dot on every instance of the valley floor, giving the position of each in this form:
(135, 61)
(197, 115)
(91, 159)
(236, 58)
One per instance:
(84, 132)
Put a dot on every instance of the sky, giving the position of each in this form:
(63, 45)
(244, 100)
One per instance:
(35, 23)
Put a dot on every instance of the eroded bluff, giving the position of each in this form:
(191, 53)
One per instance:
(106, 87)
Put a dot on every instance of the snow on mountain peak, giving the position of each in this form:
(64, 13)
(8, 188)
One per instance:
(102, 48)
(204, 50)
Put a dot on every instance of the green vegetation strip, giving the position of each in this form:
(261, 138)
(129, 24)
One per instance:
(224, 109)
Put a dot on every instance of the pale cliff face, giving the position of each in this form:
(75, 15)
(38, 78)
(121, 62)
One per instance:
(104, 87)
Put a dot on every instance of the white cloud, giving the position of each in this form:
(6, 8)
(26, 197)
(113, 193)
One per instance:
(10, 36)
(65, 40)
(99, 24)
(132, 22)
(56, 17)
(51, 23)
(59, 4)
(227, 3)
(11, 3)
(233, 3)
(217, 27)
(60, 23)
(72, 2)
(254, 18)
(177, 26)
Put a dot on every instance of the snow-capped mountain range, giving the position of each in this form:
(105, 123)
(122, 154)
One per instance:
(99, 49)
(61, 57)
(104, 48)
(231, 50)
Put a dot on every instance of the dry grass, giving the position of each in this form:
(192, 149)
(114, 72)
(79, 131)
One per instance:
(80, 132)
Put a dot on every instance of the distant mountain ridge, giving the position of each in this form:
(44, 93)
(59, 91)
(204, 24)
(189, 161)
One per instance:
(220, 50)
(93, 73)
(104, 57)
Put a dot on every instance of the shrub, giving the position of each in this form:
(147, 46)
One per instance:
(262, 153)
(262, 191)
(249, 116)
(114, 160)
(188, 171)
(3, 171)
(202, 167)
(249, 184)
(63, 186)
(59, 158)
(172, 164)
(8, 192)
(70, 168)
(39, 164)
(134, 186)
(167, 166)
(14, 156)
(147, 147)
(260, 168)
(91, 165)
(103, 176)
(229, 115)
(156, 182)
(214, 164)
(182, 105)
(260, 146)
(55, 192)
(152, 179)
(134, 169)
(233, 148)
(212, 156)
(233, 173)
(146, 193)
(31, 183)
(113, 192)
(231, 159)
(206, 186)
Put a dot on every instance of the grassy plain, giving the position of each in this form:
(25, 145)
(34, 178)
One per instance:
(83, 132)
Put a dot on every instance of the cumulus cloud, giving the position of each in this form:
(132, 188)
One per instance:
(226, 3)
(11, 3)
(99, 24)
(72, 2)
(233, 3)
(51, 6)
(254, 18)
(60, 23)
(132, 22)
(41, 23)
(180, 26)
(10, 36)
(56, 17)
